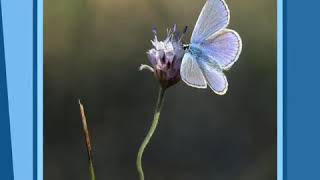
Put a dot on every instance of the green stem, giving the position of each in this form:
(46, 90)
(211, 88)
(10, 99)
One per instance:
(150, 133)
(93, 176)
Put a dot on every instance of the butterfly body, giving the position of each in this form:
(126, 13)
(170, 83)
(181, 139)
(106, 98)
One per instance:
(202, 57)
(213, 49)
(195, 49)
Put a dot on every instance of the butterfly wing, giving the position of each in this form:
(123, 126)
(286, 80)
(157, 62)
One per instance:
(190, 72)
(215, 48)
(214, 16)
(224, 47)
(213, 74)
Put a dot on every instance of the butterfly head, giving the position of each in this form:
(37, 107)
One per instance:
(186, 46)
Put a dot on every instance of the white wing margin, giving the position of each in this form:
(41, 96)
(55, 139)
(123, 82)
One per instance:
(214, 76)
(215, 16)
(191, 73)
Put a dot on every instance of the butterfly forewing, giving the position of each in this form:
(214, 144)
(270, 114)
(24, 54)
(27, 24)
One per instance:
(213, 17)
(224, 48)
(191, 73)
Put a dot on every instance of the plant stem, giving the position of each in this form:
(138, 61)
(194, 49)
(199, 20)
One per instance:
(88, 141)
(93, 176)
(151, 131)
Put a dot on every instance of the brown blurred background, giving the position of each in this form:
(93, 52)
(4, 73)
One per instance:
(93, 49)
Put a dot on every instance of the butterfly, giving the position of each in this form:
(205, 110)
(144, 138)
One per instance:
(213, 49)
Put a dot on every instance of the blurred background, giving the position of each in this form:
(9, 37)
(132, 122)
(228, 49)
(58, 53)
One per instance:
(93, 49)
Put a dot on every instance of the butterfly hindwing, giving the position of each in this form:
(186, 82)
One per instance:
(213, 74)
(225, 47)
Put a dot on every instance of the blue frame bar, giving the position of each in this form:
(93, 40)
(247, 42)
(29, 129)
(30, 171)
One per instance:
(35, 89)
(280, 130)
(39, 26)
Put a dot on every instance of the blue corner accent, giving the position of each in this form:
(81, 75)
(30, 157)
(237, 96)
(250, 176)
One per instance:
(6, 167)
(17, 19)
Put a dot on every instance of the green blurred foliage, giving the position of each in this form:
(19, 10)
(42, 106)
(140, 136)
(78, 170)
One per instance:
(93, 49)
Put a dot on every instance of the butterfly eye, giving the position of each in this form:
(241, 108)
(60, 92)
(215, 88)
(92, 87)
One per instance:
(186, 46)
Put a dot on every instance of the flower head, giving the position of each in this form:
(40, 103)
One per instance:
(166, 56)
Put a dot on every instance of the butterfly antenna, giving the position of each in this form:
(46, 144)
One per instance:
(185, 30)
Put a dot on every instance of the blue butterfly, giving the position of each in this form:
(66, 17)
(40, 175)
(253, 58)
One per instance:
(213, 49)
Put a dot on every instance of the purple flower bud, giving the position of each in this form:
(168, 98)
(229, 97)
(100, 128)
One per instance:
(166, 56)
